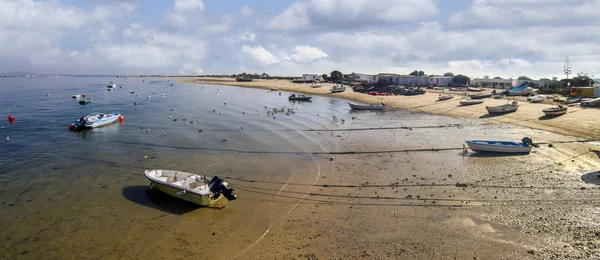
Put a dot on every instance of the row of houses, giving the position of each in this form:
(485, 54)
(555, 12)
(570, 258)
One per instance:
(397, 79)
(510, 83)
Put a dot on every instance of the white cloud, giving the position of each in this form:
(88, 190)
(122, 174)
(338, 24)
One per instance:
(188, 5)
(306, 53)
(261, 54)
(305, 15)
(247, 36)
(246, 11)
(183, 10)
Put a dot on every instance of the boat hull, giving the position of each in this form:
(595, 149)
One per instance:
(480, 96)
(501, 109)
(471, 102)
(300, 99)
(447, 97)
(365, 107)
(497, 147)
(201, 200)
(199, 194)
(102, 122)
(555, 112)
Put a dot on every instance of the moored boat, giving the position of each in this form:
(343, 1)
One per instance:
(480, 95)
(337, 89)
(522, 90)
(443, 97)
(111, 85)
(295, 97)
(499, 96)
(501, 146)
(191, 187)
(506, 108)
(366, 107)
(76, 96)
(468, 102)
(85, 101)
(94, 120)
(555, 111)
(536, 99)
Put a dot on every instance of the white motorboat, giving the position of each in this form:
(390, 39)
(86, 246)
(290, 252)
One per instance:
(76, 96)
(191, 187)
(338, 89)
(316, 85)
(95, 120)
(501, 146)
(506, 108)
(468, 102)
(111, 85)
(443, 97)
(366, 107)
(555, 111)
(523, 90)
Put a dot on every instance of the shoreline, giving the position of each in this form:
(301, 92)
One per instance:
(578, 122)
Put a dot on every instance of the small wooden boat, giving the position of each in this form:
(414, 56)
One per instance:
(474, 89)
(338, 89)
(366, 107)
(501, 146)
(316, 85)
(191, 187)
(468, 102)
(443, 97)
(295, 97)
(555, 111)
(480, 95)
(240, 79)
(573, 100)
(506, 108)
(85, 101)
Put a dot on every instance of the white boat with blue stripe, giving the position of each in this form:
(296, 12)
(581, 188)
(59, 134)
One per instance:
(501, 146)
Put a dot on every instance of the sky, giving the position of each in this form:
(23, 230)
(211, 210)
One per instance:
(506, 38)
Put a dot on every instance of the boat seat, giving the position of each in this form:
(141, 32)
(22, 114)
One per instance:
(158, 174)
(164, 179)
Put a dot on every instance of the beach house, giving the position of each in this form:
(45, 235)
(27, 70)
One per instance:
(313, 77)
(440, 80)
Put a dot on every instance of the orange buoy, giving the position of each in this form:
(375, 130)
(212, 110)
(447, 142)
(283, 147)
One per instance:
(121, 118)
(466, 150)
(11, 118)
(71, 127)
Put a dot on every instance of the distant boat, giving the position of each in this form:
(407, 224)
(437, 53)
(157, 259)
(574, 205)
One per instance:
(480, 95)
(95, 120)
(76, 96)
(501, 146)
(132, 92)
(191, 187)
(244, 79)
(295, 97)
(468, 102)
(111, 85)
(445, 97)
(521, 91)
(506, 108)
(474, 89)
(316, 85)
(338, 89)
(555, 111)
(366, 107)
(85, 101)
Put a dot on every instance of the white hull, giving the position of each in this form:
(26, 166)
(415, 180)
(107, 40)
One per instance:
(503, 108)
(480, 147)
(537, 99)
(524, 92)
(366, 107)
(445, 97)
(183, 185)
(467, 102)
(555, 113)
(107, 119)
(316, 85)
(76, 96)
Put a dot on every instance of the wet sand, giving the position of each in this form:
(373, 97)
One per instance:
(579, 122)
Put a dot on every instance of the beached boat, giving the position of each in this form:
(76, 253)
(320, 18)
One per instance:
(468, 102)
(111, 85)
(474, 89)
(480, 95)
(499, 96)
(559, 99)
(506, 108)
(243, 79)
(76, 96)
(338, 89)
(413, 92)
(501, 146)
(316, 85)
(191, 187)
(85, 101)
(591, 103)
(555, 111)
(295, 97)
(366, 107)
(573, 100)
(443, 97)
(523, 90)
(536, 99)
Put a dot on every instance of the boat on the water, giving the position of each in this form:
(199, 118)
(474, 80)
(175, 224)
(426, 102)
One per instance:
(366, 107)
(338, 89)
(132, 92)
(85, 101)
(111, 85)
(468, 102)
(522, 90)
(501, 146)
(316, 85)
(474, 89)
(480, 95)
(295, 97)
(506, 108)
(555, 111)
(76, 96)
(591, 103)
(94, 120)
(243, 79)
(443, 97)
(573, 100)
(191, 187)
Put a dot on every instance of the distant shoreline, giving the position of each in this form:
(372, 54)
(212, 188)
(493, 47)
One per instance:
(578, 122)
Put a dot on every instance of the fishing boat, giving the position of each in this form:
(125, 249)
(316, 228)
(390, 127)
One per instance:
(591, 103)
(468, 102)
(522, 90)
(85, 101)
(338, 89)
(506, 108)
(316, 85)
(76, 96)
(295, 97)
(94, 120)
(243, 79)
(445, 97)
(573, 100)
(555, 111)
(501, 146)
(111, 85)
(536, 99)
(191, 187)
(366, 107)
(480, 95)
(132, 92)
(474, 89)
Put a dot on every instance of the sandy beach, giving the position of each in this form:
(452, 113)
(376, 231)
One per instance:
(578, 122)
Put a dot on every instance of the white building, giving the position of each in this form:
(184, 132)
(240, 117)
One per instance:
(440, 80)
(412, 80)
(315, 77)
(486, 82)
(360, 77)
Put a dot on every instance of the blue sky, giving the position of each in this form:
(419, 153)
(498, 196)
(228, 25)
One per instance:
(506, 38)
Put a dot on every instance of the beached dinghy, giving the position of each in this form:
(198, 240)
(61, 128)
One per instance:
(94, 120)
(591, 103)
(316, 85)
(506, 108)
(293, 97)
(468, 102)
(191, 187)
(523, 90)
(474, 89)
(445, 97)
(555, 111)
(501, 146)
(573, 100)
(366, 107)
(536, 99)
(480, 95)
(338, 89)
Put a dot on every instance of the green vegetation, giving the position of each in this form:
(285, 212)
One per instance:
(460, 79)
(336, 76)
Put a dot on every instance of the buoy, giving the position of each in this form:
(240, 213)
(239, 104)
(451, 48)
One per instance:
(121, 118)
(83, 95)
(147, 131)
(153, 93)
(7, 138)
(71, 127)
(164, 134)
(149, 97)
(145, 157)
(11, 118)
(135, 103)
(48, 94)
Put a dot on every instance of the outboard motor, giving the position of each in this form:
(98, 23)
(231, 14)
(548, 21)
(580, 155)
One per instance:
(80, 124)
(528, 141)
(216, 186)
